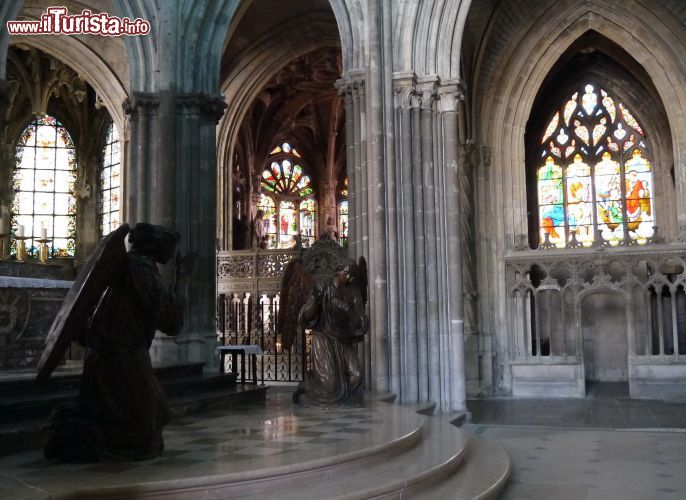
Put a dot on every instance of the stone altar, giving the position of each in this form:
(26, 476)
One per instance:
(28, 305)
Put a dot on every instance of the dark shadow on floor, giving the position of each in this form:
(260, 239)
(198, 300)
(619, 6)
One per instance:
(606, 405)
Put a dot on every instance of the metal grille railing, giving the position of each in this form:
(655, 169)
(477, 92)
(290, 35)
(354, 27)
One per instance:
(247, 318)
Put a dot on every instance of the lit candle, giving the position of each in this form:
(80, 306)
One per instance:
(20, 231)
(43, 233)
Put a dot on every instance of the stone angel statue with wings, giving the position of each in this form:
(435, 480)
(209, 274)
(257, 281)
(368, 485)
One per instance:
(334, 310)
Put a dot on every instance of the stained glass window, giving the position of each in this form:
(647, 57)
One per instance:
(288, 199)
(601, 189)
(308, 209)
(268, 206)
(343, 214)
(44, 177)
(110, 181)
(343, 221)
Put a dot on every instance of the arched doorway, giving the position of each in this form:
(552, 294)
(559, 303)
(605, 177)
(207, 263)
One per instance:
(605, 340)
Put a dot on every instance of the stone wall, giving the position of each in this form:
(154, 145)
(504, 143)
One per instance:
(28, 307)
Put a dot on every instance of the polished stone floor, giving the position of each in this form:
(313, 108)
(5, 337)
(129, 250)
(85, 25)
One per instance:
(601, 447)
(606, 405)
(591, 464)
(275, 435)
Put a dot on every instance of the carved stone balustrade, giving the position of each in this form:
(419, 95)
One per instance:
(251, 270)
(608, 313)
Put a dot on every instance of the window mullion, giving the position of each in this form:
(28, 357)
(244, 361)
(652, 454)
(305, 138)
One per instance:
(564, 164)
(622, 187)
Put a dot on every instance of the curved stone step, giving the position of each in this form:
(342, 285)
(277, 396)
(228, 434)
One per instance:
(483, 476)
(287, 476)
(402, 455)
(387, 475)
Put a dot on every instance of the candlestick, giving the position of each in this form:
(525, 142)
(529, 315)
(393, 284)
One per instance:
(43, 250)
(21, 248)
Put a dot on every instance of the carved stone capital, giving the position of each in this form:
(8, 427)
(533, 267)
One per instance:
(403, 96)
(486, 155)
(211, 108)
(466, 153)
(342, 87)
(426, 88)
(449, 97)
(141, 102)
(404, 85)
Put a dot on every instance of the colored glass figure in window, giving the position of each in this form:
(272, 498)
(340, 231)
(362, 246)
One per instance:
(600, 190)
(343, 213)
(44, 177)
(287, 200)
(110, 182)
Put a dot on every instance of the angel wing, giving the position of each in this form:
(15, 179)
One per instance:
(296, 288)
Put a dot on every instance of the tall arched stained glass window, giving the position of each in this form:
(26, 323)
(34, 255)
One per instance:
(110, 181)
(594, 176)
(44, 183)
(287, 199)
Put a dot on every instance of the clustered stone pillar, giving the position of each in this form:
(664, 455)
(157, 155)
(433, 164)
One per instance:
(171, 180)
(196, 216)
(428, 221)
(354, 97)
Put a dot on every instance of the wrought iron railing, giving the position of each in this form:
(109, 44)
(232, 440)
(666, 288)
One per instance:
(248, 287)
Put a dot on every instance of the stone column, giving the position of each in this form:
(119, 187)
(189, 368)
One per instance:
(327, 206)
(419, 231)
(361, 243)
(6, 159)
(469, 284)
(405, 97)
(455, 399)
(353, 96)
(144, 143)
(427, 87)
(196, 217)
(89, 161)
(346, 91)
(171, 180)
